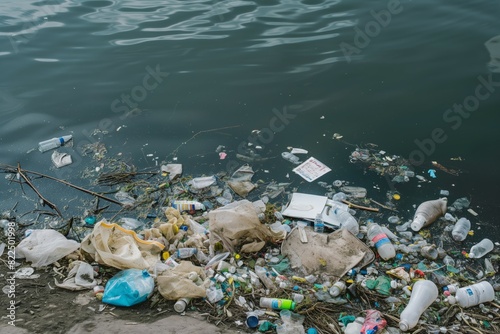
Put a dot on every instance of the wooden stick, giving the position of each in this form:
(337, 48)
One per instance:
(65, 183)
(44, 200)
(360, 207)
(382, 205)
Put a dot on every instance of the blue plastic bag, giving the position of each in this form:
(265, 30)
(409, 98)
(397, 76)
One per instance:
(128, 287)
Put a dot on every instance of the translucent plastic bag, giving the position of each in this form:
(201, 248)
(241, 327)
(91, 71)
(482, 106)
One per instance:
(117, 247)
(44, 247)
(128, 287)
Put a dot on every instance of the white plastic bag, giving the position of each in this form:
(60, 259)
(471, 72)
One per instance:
(44, 247)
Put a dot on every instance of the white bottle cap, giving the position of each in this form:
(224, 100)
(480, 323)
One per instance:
(417, 223)
(403, 325)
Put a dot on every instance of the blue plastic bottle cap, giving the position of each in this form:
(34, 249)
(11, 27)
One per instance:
(312, 331)
(252, 321)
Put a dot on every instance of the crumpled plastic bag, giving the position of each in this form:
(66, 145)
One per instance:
(237, 224)
(175, 283)
(44, 247)
(80, 277)
(382, 285)
(374, 323)
(128, 287)
(117, 247)
(292, 323)
(241, 181)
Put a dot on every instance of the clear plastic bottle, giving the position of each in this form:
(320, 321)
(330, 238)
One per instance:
(262, 274)
(427, 212)
(481, 249)
(423, 294)
(183, 253)
(319, 226)
(337, 288)
(346, 221)
(50, 144)
(380, 240)
(475, 294)
(460, 230)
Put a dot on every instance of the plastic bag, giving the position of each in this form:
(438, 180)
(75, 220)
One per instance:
(80, 277)
(374, 323)
(128, 287)
(44, 247)
(175, 283)
(238, 222)
(117, 247)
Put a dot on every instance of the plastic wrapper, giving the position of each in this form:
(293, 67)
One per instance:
(128, 287)
(374, 323)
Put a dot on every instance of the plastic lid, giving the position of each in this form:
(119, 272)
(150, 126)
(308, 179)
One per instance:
(252, 321)
(417, 223)
(403, 325)
(452, 300)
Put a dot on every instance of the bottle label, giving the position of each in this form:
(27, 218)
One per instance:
(469, 291)
(380, 240)
(276, 303)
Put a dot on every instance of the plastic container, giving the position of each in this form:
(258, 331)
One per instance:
(423, 295)
(461, 229)
(380, 240)
(481, 249)
(266, 280)
(355, 326)
(428, 212)
(50, 144)
(181, 304)
(319, 225)
(475, 294)
(188, 205)
(346, 221)
(184, 253)
(337, 288)
(277, 304)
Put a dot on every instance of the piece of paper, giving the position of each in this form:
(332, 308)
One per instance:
(311, 169)
(305, 206)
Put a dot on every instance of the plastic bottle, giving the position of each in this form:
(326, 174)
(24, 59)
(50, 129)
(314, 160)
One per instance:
(188, 205)
(460, 230)
(337, 288)
(50, 144)
(277, 304)
(319, 226)
(183, 253)
(428, 212)
(481, 249)
(262, 274)
(181, 304)
(381, 241)
(423, 295)
(346, 221)
(475, 294)
(355, 326)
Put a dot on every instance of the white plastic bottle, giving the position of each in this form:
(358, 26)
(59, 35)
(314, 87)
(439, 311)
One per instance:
(481, 249)
(423, 295)
(181, 304)
(427, 212)
(380, 240)
(460, 230)
(346, 221)
(183, 253)
(337, 288)
(50, 144)
(474, 294)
